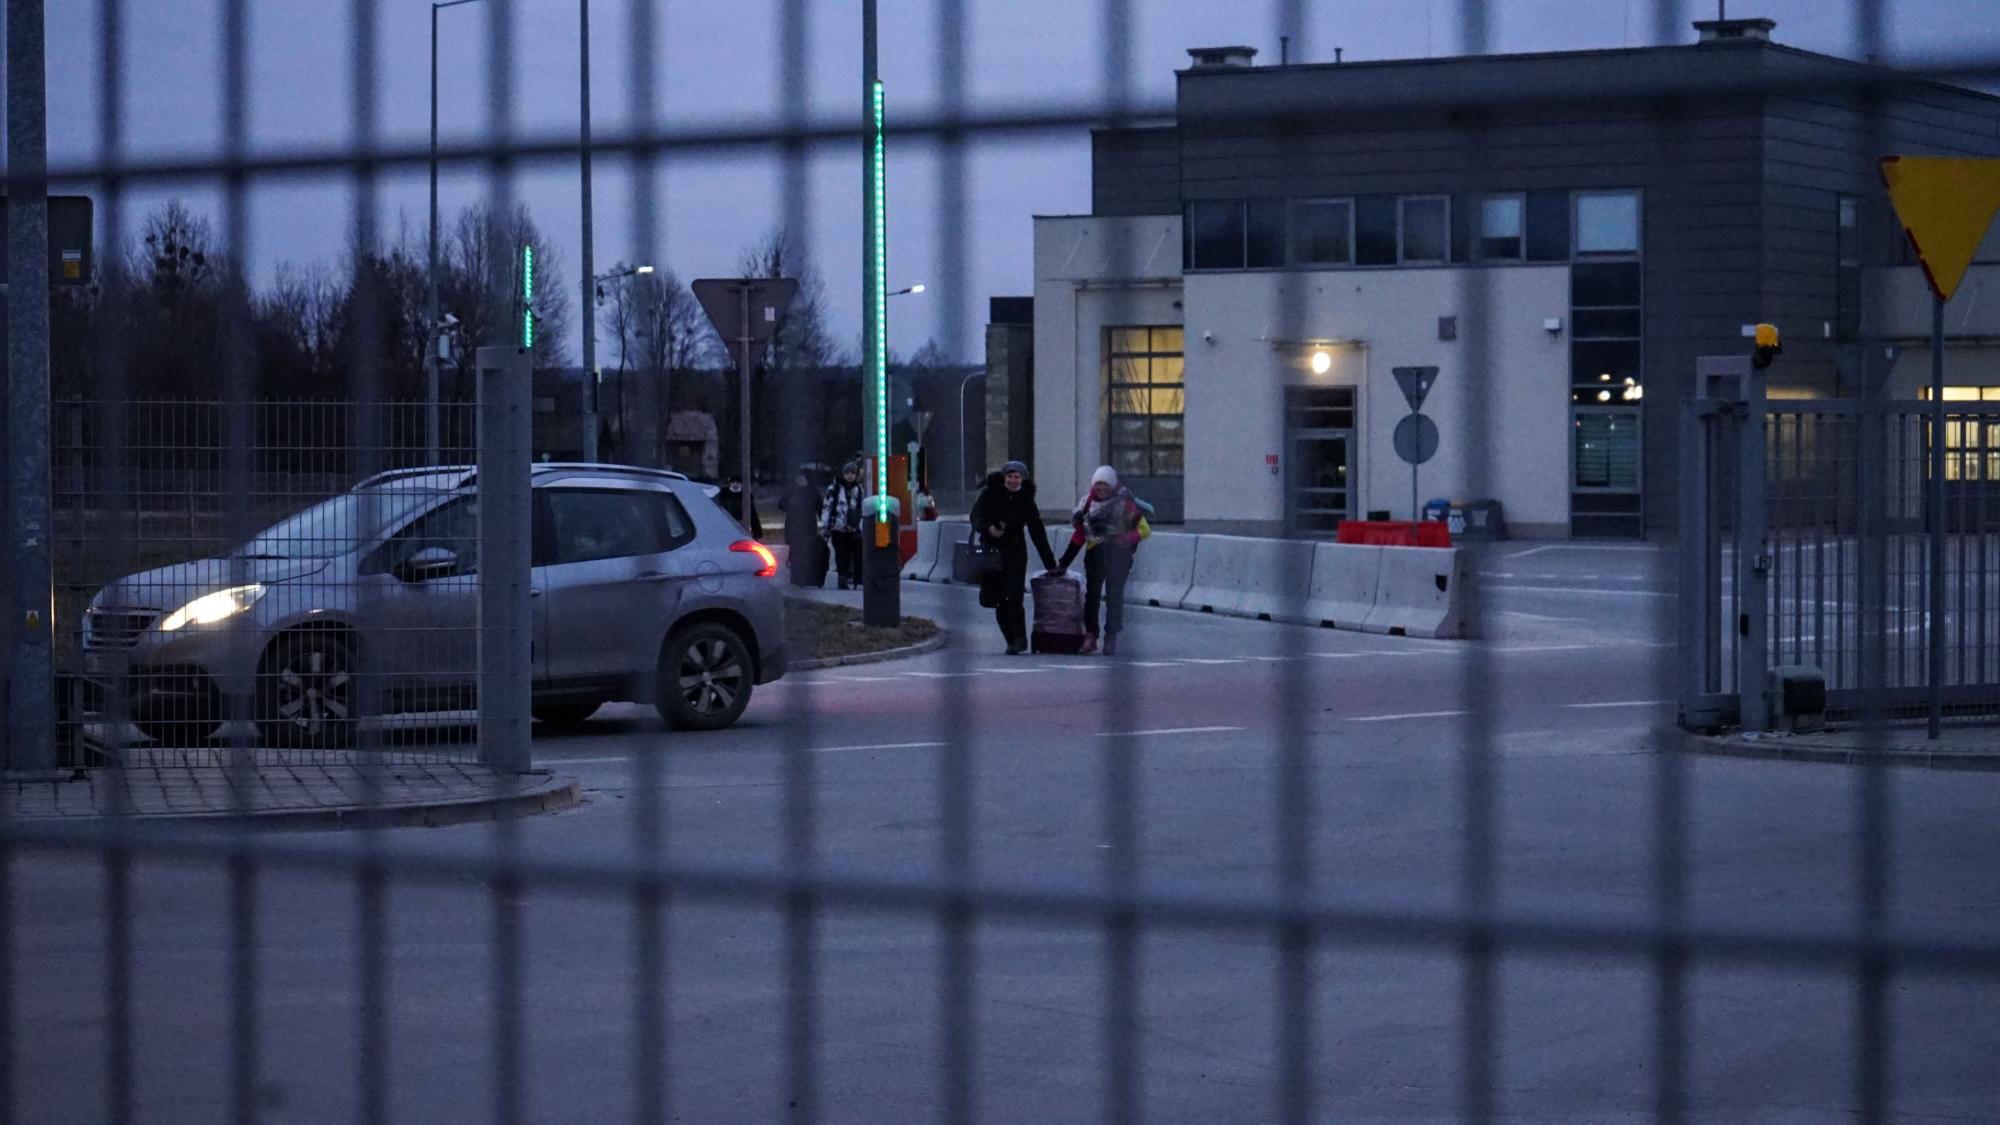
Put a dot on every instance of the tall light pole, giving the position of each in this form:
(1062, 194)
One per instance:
(964, 443)
(589, 259)
(434, 329)
(881, 601)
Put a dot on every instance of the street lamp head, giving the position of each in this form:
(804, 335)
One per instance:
(643, 269)
(917, 288)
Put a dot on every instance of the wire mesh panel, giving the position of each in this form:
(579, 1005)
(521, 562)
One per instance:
(1264, 856)
(346, 620)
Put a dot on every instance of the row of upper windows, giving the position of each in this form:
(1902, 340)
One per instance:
(1390, 230)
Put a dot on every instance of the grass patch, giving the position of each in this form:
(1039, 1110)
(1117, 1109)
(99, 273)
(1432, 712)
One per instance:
(821, 631)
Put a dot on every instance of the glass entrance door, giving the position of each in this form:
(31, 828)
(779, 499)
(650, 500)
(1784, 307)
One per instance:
(1319, 459)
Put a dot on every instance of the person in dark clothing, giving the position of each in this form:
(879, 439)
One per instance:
(840, 520)
(1005, 514)
(735, 498)
(800, 503)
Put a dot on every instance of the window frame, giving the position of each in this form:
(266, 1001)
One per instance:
(1110, 387)
(1403, 230)
(1520, 236)
(1576, 202)
(545, 545)
(1292, 232)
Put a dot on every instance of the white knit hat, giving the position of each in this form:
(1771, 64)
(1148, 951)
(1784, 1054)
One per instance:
(1105, 474)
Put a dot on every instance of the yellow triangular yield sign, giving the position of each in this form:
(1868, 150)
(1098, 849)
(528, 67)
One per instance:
(1945, 204)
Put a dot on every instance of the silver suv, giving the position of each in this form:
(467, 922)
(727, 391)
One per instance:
(644, 590)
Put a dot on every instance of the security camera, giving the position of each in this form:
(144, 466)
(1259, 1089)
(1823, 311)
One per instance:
(1208, 337)
(449, 320)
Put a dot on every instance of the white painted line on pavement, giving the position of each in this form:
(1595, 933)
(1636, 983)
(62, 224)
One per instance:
(1579, 547)
(1410, 715)
(586, 761)
(1579, 590)
(940, 675)
(877, 746)
(1621, 703)
(1199, 660)
(1074, 667)
(1149, 663)
(1166, 730)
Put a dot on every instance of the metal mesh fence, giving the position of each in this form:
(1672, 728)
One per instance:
(837, 949)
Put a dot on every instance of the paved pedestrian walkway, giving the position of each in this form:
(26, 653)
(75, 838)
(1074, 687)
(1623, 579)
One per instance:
(307, 791)
(1966, 747)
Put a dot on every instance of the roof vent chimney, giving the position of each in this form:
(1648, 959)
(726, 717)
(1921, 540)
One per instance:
(1220, 58)
(1735, 31)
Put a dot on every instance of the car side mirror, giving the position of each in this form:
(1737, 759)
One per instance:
(429, 563)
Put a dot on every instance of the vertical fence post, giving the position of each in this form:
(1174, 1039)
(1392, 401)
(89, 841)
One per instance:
(1934, 627)
(30, 702)
(506, 636)
(1698, 601)
(1753, 566)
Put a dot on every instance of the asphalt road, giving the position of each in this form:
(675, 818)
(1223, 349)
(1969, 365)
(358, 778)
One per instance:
(1217, 724)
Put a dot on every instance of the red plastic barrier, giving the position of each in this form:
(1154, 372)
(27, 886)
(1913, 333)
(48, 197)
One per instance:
(1392, 533)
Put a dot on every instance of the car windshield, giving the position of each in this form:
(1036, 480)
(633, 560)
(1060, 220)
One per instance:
(337, 526)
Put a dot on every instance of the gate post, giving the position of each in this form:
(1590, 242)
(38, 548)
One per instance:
(506, 635)
(1699, 598)
(1741, 387)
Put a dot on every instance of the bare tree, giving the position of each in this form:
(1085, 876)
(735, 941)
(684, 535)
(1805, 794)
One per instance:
(662, 338)
(480, 282)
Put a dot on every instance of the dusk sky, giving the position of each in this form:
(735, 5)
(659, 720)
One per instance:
(718, 63)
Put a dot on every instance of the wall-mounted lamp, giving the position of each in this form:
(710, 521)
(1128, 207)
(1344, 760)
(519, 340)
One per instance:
(1322, 361)
(1553, 325)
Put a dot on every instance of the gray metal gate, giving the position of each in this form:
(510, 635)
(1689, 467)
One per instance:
(1806, 542)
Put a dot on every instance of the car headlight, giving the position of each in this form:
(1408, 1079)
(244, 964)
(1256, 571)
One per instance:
(211, 608)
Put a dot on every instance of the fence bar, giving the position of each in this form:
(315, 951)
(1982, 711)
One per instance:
(30, 689)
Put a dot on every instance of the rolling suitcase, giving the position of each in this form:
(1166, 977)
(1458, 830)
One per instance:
(1058, 614)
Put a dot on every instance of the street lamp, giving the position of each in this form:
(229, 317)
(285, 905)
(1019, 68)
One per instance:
(917, 288)
(435, 327)
(964, 442)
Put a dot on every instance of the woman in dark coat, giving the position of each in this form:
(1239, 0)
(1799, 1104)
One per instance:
(1005, 514)
(808, 551)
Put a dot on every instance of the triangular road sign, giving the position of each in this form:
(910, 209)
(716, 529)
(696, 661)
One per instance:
(1416, 383)
(1945, 204)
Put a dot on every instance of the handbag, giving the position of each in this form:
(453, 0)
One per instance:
(973, 560)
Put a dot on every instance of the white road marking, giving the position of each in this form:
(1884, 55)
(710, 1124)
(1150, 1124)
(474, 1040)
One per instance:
(1621, 703)
(1580, 547)
(878, 746)
(940, 675)
(1199, 660)
(1166, 730)
(1410, 715)
(1586, 592)
(587, 761)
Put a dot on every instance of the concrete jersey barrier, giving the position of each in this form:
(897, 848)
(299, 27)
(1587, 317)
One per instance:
(1263, 578)
(1346, 579)
(1162, 571)
(1424, 592)
(920, 564)
(949, 533)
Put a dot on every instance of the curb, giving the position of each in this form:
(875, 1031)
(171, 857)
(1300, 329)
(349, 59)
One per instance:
(550, 794)
(934, 643)
(1902, 757)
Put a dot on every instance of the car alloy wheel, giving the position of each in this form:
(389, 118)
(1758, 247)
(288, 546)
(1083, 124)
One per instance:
(706, 677)
(308, 690)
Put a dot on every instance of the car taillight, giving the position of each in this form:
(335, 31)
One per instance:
(752, 547)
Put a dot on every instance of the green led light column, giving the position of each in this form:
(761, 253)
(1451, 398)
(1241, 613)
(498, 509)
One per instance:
(881, 587)
(527, 298)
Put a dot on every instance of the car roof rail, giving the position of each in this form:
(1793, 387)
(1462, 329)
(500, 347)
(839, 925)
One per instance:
(390, 476)
(585, 468)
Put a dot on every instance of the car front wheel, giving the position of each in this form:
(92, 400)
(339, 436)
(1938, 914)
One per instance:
(705, 677)
(306, 693)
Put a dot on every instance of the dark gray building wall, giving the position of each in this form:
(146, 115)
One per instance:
(1135, 171)
(1823, 138)
(1740, 148)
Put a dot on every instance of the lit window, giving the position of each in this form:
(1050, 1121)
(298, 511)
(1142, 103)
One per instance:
(1607, 222)
(1500, 228)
